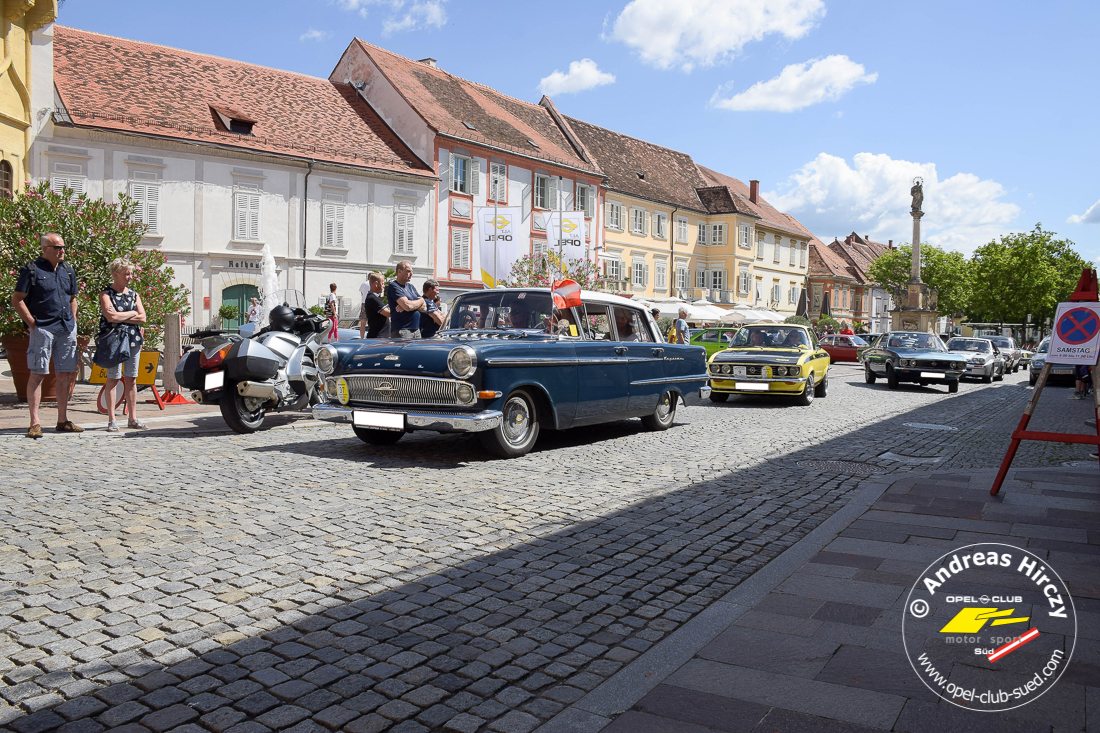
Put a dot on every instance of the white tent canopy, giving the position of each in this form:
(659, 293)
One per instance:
(743, 314)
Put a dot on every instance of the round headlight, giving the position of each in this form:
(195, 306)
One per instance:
(326, 358)
(958, 365)
(342, 392)
(727, 369)
(462, 361)
(465, 394)
(779, 371)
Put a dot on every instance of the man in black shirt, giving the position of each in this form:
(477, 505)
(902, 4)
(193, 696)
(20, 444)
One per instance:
(432, 319)
(375, 310)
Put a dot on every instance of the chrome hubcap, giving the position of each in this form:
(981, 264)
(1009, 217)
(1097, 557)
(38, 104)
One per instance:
(664, 408)
(517, 421)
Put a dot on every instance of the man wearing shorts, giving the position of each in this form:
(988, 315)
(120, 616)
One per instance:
(45, 298)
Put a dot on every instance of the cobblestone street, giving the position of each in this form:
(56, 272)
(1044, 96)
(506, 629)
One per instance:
(300, 579)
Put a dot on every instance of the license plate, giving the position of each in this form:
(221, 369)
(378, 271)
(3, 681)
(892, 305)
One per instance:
(751, 386)
(1064, 370)
(214, 380)
(379, 420)
(739, 371)
(931, 375)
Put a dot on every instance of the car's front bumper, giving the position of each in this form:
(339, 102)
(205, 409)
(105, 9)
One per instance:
(443, 422)
(789, 385)
(916, 375)
(979, 371)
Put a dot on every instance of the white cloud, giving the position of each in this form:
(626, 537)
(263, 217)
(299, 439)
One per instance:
(404, 15)
(1092, 216)
(674, 33)
(583, 74)
(313, 35)
(799, 86)
(871, 196)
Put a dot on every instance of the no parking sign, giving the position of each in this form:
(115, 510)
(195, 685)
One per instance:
(1076, 336)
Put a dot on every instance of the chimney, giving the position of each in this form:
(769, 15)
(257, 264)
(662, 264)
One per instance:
(891, 244)
(429, 61)
(754, 190)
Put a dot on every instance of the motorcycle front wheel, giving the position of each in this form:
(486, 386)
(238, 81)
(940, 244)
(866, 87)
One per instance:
(235, 410)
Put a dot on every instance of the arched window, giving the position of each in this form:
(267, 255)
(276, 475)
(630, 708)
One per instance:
(7, 180)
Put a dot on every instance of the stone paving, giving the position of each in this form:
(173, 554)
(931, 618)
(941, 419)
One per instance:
(303, 580)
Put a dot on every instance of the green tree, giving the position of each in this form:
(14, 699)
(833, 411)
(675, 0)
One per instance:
(1025, 272)
(95, 233)
(948, 272)
(799, 320)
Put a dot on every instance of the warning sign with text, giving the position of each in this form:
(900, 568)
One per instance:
(1076, 337)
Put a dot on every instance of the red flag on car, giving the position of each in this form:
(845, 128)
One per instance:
(568, 290)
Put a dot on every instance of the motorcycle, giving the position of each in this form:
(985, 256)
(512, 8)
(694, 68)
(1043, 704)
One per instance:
(272, 370)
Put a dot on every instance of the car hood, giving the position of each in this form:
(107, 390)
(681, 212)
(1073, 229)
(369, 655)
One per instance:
(971, 354)
(427, 357)
(760, 355)
(922, 354)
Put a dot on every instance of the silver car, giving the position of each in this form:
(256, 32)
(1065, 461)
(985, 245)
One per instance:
(983, 359)
(1013, 355)
(1039, 360)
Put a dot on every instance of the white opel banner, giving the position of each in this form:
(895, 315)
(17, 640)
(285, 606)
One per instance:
(498, 231)
(565, 233)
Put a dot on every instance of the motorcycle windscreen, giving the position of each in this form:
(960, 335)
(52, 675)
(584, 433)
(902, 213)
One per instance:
(250, 360)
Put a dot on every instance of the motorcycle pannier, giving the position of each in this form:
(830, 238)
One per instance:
(189, 374)
(251, 360)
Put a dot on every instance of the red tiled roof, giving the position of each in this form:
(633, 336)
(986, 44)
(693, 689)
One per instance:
(769, 216)
(128, 86)
(667, 176)
(446, 102)
(824, 262)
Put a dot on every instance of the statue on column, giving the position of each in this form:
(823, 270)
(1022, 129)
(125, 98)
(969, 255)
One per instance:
(917, 192)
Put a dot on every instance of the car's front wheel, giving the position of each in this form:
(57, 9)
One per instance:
(1032, 379)
(987, 378)
(953, 386)
(822, 389)
(869, 376)
(891, 377)
(807, 397)
(662, 417)
(518, 429)
(719, 396)
(1000, 375)
(378, 437)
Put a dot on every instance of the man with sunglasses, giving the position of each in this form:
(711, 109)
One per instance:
(45, 298)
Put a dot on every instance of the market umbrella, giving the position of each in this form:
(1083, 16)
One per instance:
(803, 305)
(826, 305)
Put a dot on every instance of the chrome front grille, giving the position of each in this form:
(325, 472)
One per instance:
(420, 391)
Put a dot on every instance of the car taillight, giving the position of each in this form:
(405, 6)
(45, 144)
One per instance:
(214, 359)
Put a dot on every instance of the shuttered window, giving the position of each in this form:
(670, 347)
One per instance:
(332, 222)
(777, 249)
(539, 247)
(702, 233)
(59, 183)
(613, 269)
(460, 249)
(759, 245)
(465, 175)
(586, 199)
(546, 192)
(681, 230)
(246, 209)
(660, 225)
(498, 182)
(745, 238)
(744, 280)
(614, 216)
(718, 234)
(147, 198)
(802, 255)
(681, 278)
(718, 279)
(403, 233)
(637, 221)
(777, 292)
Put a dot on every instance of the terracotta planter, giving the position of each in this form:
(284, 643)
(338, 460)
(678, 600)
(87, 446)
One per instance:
(16, 346)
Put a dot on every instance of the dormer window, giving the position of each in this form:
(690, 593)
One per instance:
(234, 121)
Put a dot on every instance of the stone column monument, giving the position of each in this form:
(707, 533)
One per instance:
(915, 307)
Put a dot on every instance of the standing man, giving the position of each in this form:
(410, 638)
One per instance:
(682, 336)
(254, 311)
(375, 311)
(406, 305)
(45, 298)
(433, 316)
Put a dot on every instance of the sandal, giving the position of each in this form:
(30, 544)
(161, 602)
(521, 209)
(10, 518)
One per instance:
(137, 424)
(112, 427)
(68, 427)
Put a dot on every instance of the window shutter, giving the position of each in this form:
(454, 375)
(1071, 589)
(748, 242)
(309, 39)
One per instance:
(152, 208)
(328, 217)
(460, 249)
(551, 193)
(254, 217)
(454, 173)
(645, 279)
(410, 232)
(137, 193)
(399, 233)
(241, 219)
(340, 225)
(607, 214)
(475, 177)
(645, 223)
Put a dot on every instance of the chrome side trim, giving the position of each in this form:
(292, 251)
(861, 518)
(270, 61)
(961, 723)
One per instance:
(531, 361)
(468, 422)
(672, 380)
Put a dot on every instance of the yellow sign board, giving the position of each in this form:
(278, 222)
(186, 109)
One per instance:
(147, 370)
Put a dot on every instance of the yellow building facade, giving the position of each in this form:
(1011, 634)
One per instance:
(18, 20)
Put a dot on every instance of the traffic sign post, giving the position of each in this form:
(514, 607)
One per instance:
(1075, 340)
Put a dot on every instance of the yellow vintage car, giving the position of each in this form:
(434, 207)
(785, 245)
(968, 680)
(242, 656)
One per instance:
(775, 359)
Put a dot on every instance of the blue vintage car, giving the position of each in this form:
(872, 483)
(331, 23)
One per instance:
(509, 364)
(912, 356)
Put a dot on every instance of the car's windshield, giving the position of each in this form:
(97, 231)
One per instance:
(1044, 347)
(771, 336)
(497, 310)
(977, 345)
(857, 341)
(1003, 342)
(908, 340)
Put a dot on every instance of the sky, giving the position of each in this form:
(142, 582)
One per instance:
(833, 106)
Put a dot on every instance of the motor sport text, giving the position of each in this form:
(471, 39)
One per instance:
(1028, 566)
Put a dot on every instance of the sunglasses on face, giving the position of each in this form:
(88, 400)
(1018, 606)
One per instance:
(55, 246)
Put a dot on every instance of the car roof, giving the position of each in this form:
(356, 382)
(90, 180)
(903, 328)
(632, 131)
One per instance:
(589, 295)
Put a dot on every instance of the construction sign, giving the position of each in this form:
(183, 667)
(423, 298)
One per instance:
(147, 370)
(1076, 337)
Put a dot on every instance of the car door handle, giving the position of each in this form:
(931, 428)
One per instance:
(658, 352)
(620, 350)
